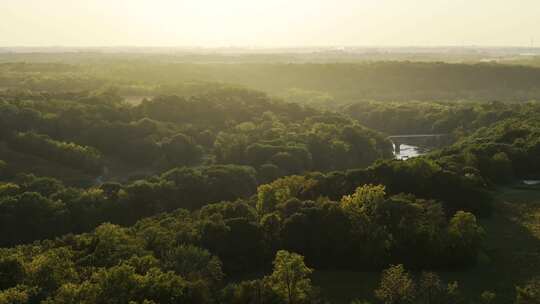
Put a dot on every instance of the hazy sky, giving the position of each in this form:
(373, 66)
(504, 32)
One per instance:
(268, 23)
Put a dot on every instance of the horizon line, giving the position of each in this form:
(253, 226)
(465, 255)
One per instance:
(272, 47)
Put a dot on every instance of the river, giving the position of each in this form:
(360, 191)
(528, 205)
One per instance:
(410, 151)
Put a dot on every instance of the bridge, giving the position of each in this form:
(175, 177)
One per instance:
(417, 139)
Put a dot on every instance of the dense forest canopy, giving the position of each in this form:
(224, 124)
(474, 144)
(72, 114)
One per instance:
(100, 134)
(136, 179)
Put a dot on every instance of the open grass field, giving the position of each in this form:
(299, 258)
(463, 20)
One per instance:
(511, 254)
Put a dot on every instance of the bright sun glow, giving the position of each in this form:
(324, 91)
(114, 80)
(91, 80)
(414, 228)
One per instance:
(268, 22)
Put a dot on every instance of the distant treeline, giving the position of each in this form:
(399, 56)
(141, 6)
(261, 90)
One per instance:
(415, 117)
(341, 82)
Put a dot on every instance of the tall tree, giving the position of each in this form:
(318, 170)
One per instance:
(396, 287)
(290, 277)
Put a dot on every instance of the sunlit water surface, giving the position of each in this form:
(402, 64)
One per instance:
(409, 151)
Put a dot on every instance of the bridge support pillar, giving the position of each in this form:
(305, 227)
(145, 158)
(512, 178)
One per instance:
(397, 147)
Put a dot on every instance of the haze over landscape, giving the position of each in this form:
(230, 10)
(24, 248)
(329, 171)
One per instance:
(276, 152)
